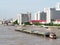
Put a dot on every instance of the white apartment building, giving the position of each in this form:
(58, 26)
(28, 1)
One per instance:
(24, 17)
(47, 11)
(37, 16)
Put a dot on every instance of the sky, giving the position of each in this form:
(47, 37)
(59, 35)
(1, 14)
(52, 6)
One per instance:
(10, 8)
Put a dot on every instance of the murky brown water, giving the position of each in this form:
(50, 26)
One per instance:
(10, 37)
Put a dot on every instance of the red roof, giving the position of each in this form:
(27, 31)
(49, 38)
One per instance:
(38, 21)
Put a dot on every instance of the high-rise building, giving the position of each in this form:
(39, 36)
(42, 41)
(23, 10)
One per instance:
(52, 14)
(19, 19)
(47, 11)
(42, 16)
(24, 17)
(37, 16)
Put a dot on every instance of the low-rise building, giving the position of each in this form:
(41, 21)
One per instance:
(38, 21)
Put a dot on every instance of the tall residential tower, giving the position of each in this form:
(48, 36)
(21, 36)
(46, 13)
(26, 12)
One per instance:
(24, 17)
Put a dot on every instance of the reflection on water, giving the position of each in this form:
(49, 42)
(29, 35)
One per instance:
(10, 37)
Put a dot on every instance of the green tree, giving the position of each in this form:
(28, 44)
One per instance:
(16, 22)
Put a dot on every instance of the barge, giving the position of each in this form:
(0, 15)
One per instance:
(45, 34)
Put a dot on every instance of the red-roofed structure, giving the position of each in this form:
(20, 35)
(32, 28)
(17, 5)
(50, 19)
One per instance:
(38, 21)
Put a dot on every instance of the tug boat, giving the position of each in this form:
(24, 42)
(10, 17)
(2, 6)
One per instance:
(50, 35)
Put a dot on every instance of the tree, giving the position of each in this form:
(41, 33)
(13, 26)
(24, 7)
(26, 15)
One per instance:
(16, 22)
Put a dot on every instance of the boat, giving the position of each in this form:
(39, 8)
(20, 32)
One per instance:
(50, 35)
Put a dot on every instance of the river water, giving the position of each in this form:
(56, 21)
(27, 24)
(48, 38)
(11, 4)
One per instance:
(8, 36)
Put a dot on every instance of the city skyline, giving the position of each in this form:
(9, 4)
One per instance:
(10, 8)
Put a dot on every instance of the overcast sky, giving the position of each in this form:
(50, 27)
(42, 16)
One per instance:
(10, 8)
